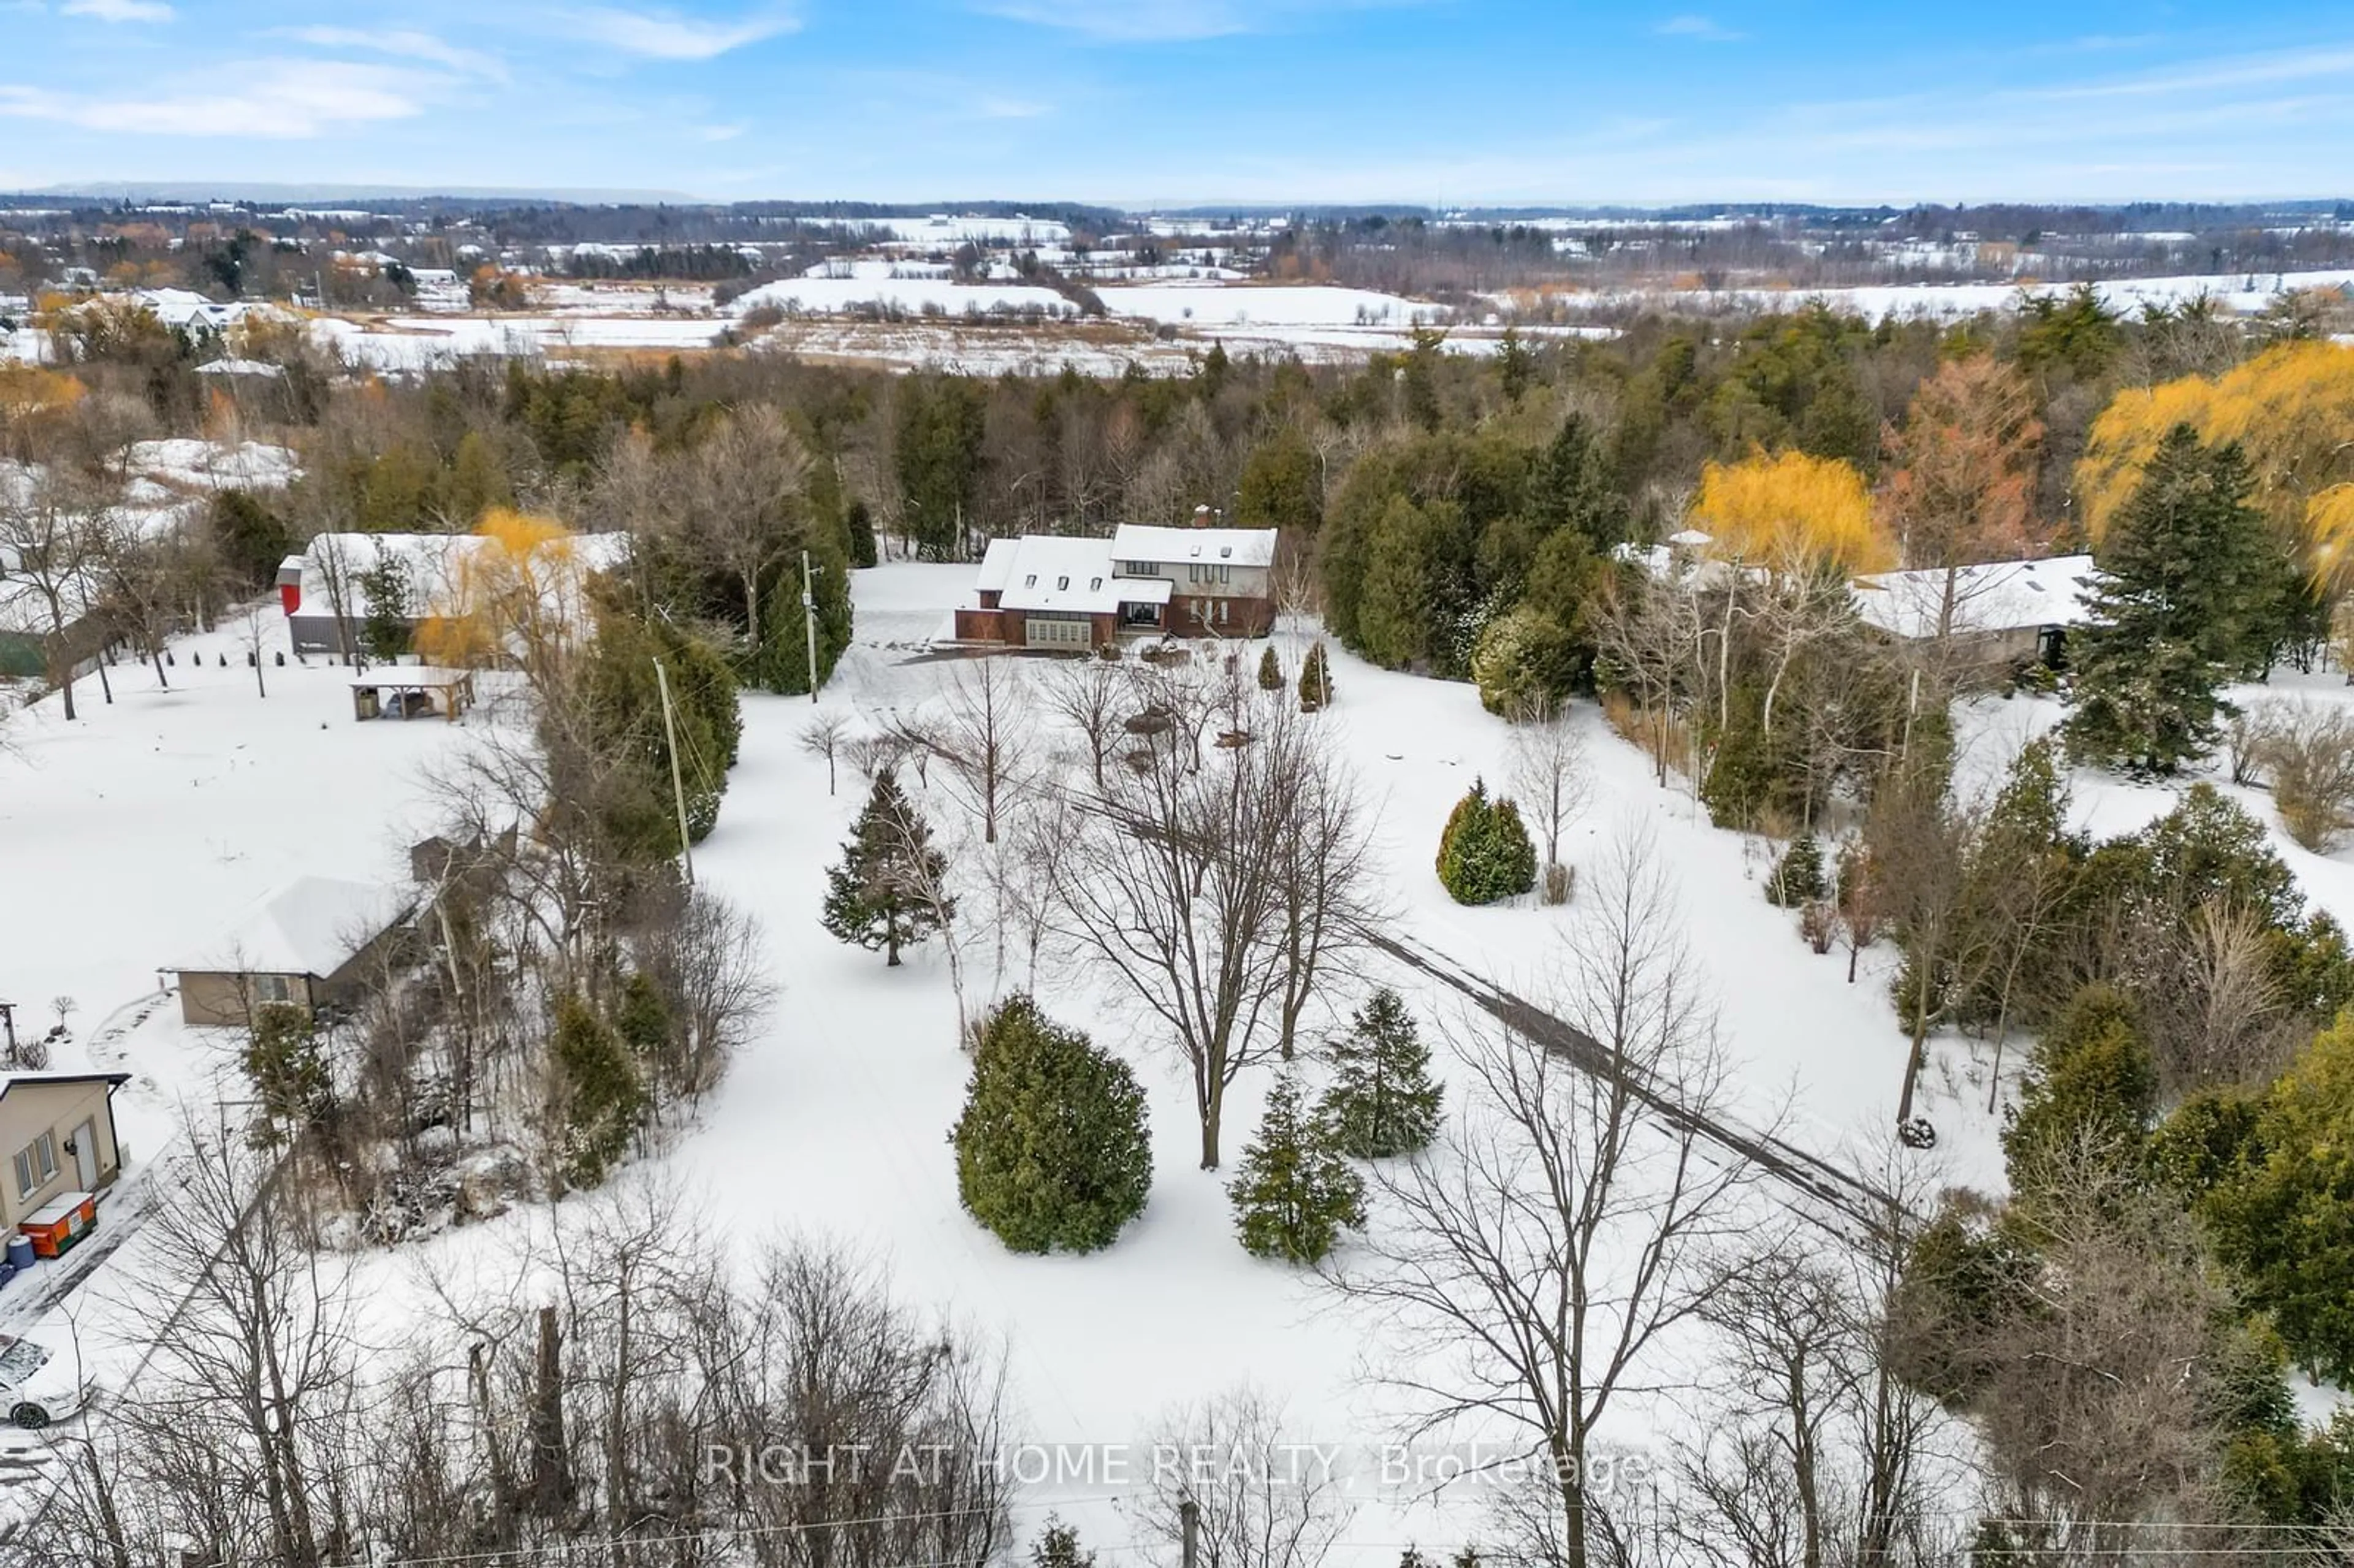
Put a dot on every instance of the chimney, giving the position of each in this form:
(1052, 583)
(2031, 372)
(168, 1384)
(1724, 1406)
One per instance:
(1202, 516)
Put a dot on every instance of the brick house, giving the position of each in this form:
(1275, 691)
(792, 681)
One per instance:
(1039, 591)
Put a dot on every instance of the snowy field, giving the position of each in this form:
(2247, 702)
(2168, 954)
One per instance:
(2247, 293)
(143, 828)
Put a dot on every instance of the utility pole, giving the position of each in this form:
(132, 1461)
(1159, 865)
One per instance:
(677, 787)
(809, 622)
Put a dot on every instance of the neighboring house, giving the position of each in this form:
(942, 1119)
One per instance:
(2001, 611)
(58, 1132)
(325, 590)
(1072, 593)
(309, 945)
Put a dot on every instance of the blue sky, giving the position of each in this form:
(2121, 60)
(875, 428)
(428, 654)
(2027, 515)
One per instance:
(1168, 101)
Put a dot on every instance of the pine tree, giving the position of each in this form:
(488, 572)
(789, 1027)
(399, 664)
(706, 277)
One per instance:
(1051, 1150)
(1058, 1546)
(601, 1099)
(1485, 853)
(876, 897)
(859, 520)
(1382, 1101)
(1270, 671)
(1315, 682)
(1295, 1193)
(1798, 877)
(2185, 593)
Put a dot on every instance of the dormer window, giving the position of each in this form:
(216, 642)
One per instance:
(1062, 585)
(1095, 585)
(1224, 550)
(1030, 581)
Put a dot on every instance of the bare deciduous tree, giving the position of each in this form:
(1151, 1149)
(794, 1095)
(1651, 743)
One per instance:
(1185, 880)
(1261, 1500)
(980, 734)
(1547, 772)
(824, 736)
(1565, 1224)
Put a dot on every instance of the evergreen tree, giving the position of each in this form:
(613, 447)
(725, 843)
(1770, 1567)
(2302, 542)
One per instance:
(2092, 1076)
(1052, 1150)
(1382, 1101)
(1058, 1546)
(2283, 1213)
(2183, 599)
(1516, 366)
(876, 897)
(287, 1067)
(1798, 877)
(1270, 671)
(625, 721)
(601, 1100)
(859, 520)
(1485, 853)
(1524, 660)
(1295, 1193)
(1575, 489)
(384, 587)
(1281, 487)
(1315, 681)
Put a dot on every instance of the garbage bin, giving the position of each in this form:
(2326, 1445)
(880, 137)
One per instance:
(20, 1251)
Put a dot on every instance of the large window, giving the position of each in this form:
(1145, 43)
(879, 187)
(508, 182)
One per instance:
(37, 1162)
(272, 987)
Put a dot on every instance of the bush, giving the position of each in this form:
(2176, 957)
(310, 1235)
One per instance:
(2309, 752)
(1051, 1153)
(2092, 1076)
(1560, 883)
(1524, 660)
(1485, 853)
(1270, 671)
(1295, 1193)
(1798, 878)
(1315, 681)
(1382, 1101)
(603, 1100)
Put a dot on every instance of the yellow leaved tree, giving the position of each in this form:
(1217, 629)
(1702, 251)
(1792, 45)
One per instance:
(2291, 408)
(517, 597)
(1790, 512)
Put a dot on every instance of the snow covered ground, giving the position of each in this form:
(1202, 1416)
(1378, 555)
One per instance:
(412, 343)
(134, 836)
(139, 830)
(2247, 293)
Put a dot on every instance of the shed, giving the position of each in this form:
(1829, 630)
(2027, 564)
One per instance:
(306, 946)
(57, 1131)
(412, 691)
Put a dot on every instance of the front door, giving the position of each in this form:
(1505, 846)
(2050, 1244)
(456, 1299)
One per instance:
(85, 1147)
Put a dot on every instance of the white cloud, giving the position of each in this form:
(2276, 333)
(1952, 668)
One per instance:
(278, 100)
(1171, 21)
(667, 35)
(120, 10)
(1128, 21)
(404, 44)
(993, 107)
(1705, 30)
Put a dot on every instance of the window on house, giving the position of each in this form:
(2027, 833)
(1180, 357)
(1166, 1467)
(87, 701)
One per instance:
(1222, 611)
(36, 1163)
(1030, 581)
(272, 987)
(1224, 550)
(1095, 585)
(1062, 584)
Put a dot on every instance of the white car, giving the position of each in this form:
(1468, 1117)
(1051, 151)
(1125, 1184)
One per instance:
(37, 1386)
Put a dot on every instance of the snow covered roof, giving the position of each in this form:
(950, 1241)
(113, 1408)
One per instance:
(432, 564)
(310, 926)
(1234, 546)
(1046, 572)
(208, 465)
(1998, 596)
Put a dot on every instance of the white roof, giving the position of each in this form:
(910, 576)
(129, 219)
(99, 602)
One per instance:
(310, 926)
(1050, 572)
(1234, 546)
(1998, 596)
(432, 564)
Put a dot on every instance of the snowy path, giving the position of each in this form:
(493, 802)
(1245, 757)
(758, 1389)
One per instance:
(1837, 1200)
